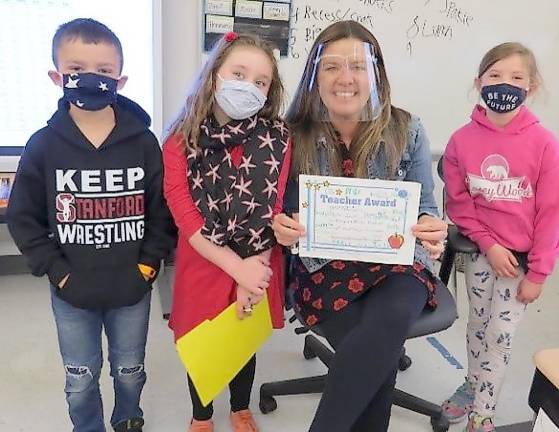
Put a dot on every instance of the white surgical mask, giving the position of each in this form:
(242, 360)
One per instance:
(239, 99)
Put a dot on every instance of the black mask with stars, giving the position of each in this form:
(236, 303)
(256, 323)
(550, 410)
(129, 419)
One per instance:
(89, 91)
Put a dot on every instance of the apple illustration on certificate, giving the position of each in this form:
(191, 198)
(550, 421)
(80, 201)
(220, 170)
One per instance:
(358, 219)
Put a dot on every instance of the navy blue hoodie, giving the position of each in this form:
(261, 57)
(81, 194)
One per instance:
(93, 213)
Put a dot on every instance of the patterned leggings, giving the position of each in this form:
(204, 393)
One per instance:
(494, 317)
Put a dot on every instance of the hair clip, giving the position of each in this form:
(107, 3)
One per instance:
(231, 36)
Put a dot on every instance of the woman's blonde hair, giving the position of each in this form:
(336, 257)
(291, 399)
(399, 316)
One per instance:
(506, 50)
(200, 100)
(390, 127)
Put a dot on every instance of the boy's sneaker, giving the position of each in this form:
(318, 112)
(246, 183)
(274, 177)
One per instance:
(243, 421)
(478, 423)
(132, 425)
(457, 407)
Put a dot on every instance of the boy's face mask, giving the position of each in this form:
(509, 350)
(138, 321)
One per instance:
(239, 99)
(503, 98)
(89, 91)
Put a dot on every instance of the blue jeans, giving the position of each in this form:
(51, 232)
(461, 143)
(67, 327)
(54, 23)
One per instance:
(79, 338)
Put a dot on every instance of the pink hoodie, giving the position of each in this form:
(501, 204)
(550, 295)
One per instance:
(502, 186)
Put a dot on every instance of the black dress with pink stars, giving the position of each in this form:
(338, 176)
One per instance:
(331, 288)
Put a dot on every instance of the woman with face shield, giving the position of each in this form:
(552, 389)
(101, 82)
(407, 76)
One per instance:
(343, 124)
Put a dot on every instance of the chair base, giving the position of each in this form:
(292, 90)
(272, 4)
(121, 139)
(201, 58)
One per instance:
(423, 407)
(315, 384)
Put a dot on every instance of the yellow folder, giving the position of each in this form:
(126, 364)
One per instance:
(216, 350)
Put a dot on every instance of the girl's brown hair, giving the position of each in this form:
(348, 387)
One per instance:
(200, 100)
(506, 50)
(390, 128)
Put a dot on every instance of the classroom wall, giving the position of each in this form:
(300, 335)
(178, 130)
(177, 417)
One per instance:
(180, 60)
(180, 53)
(181, 46)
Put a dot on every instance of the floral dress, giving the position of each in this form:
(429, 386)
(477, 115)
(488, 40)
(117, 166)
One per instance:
(330, 289)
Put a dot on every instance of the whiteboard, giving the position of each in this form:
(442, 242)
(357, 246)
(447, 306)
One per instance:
(432, 49)
(27, 96)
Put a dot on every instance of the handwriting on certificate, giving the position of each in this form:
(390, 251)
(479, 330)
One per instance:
(358, 219)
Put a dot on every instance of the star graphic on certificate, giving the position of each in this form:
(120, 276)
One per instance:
(339, 191)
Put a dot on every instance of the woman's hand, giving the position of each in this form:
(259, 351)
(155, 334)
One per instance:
(287, 230)
(502, 261)
(254, 274)
(432, 232)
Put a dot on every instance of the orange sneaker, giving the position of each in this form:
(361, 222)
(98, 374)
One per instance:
(201, 426)
(242, 421)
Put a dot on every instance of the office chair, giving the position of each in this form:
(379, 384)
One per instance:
(456, 242)
(429, 322)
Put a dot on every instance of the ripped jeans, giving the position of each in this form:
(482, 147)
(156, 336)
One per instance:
(79, 338)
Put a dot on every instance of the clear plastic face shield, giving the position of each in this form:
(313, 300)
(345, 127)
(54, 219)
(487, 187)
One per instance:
(346, 78)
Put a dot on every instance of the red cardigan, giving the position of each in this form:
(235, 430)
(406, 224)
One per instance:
(201, 289)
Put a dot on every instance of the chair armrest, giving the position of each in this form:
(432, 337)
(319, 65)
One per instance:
(459, 242)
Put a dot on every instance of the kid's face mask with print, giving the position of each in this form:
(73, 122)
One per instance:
(239, 99)
(89, 91)
(503, 98)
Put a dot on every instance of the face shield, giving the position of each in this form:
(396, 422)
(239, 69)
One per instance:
(346, 82)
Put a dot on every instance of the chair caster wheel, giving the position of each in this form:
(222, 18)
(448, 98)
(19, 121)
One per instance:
(404, 363)
(440, 424)
(267, 404)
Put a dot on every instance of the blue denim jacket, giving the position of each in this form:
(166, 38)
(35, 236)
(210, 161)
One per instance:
(415, 166)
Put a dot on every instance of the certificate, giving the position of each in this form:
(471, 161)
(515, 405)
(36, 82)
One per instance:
(358, 219)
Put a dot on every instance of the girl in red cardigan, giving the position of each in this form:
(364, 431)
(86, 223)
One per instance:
(226, 164)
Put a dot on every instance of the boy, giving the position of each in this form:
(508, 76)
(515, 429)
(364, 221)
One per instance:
(87, 209)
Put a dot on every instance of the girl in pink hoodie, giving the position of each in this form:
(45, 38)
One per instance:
(501, 175)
